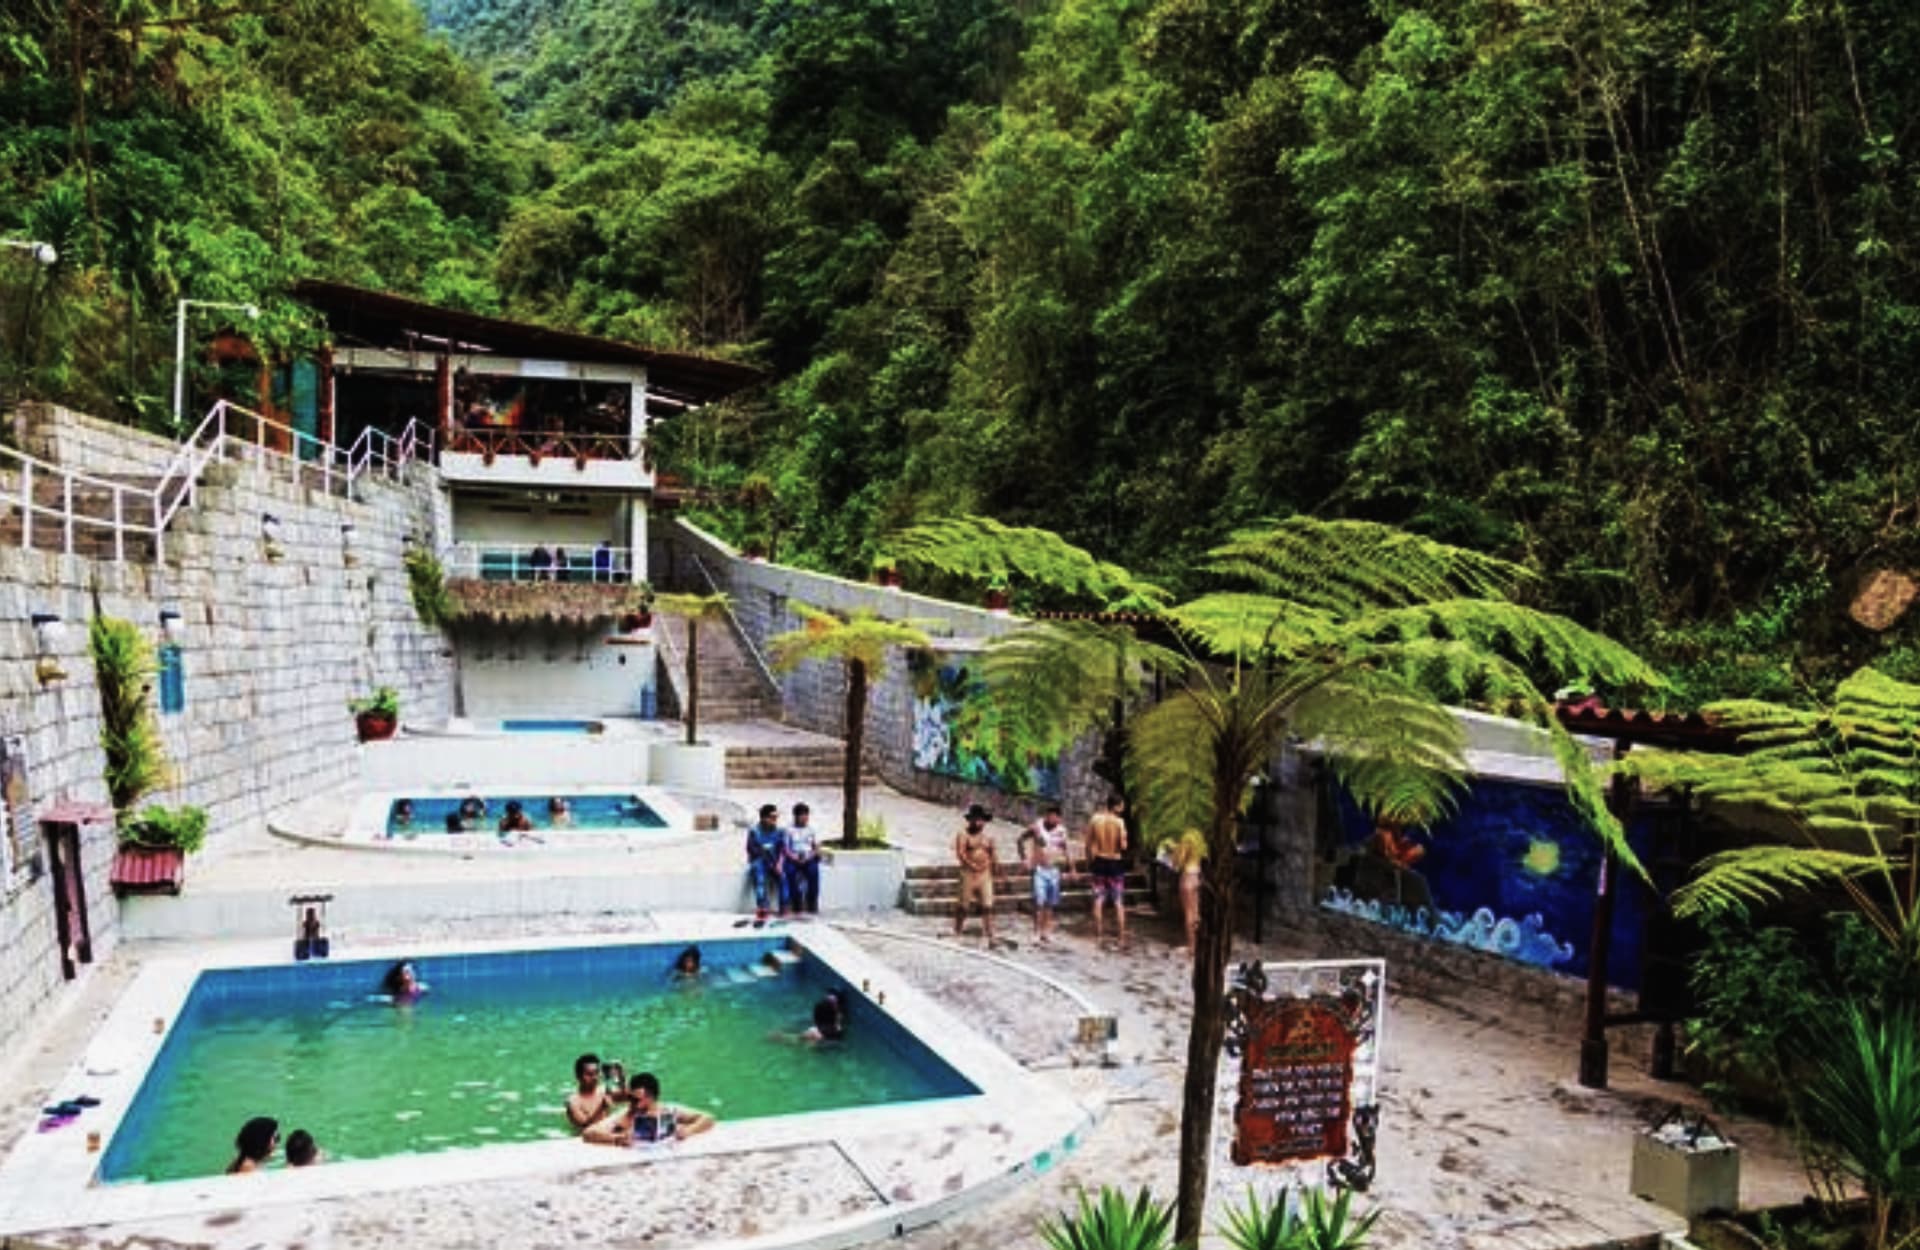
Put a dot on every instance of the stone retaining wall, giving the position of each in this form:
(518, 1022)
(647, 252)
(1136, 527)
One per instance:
(271, 651)
(813, 695)
(74, 440)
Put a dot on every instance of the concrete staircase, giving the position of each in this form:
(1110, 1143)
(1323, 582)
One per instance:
(801, 767)
(934, 890)
(732, 687)
(93, 521)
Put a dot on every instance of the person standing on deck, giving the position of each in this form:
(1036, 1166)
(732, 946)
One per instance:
(1107, 853)
(1047, 851)
(973, 850)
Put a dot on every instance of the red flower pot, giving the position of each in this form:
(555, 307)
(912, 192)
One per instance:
(375, 726)
(998, 601)
(890, 578)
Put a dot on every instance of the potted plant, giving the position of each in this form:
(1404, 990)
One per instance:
(154, 845)
(886, 573)
(377, 715)
(999, 599)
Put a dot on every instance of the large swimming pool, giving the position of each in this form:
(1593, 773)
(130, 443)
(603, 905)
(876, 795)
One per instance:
(486, 1056)
(584, 811)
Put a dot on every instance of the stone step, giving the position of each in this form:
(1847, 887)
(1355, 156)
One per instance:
(1024, 882)
(1022, 904)
(934, 873)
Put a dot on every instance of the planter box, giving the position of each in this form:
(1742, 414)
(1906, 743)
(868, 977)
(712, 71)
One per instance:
(1684, 1180)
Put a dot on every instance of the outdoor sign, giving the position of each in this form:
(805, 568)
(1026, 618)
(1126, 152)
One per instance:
(1302, 1077)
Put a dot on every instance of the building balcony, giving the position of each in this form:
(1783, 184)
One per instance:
(482, 561)
(548, 459)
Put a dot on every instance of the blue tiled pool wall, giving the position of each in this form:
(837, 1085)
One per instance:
(551, 726)
(1513, 871)
(590, 811)
(229, 991)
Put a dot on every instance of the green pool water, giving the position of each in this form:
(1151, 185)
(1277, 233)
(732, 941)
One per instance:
(489, 1058)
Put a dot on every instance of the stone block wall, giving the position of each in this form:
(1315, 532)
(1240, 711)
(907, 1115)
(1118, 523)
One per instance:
(74, 440)
(271, 650)
(813, 695)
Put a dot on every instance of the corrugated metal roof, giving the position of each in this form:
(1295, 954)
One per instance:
(146, 868)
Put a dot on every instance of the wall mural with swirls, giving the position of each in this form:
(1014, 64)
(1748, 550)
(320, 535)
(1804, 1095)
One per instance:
(948, 700)
(1513, 872)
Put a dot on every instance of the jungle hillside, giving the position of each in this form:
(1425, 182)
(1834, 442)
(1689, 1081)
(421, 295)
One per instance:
(1623, 291)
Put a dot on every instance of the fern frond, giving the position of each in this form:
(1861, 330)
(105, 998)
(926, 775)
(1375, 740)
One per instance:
(1398, 751)
(1734, 880)
(861, 635)
(1352, 567)
(1246, 626)
(985, 550)
(1171, 762)
(1540, 641)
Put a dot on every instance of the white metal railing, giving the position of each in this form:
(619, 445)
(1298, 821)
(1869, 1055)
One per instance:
(227, 431)
(538, 562)
(739, 630)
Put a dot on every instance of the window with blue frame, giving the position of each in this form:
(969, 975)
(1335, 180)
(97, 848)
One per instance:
(173, 680)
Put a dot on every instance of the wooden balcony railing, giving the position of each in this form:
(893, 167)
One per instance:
(538, 445)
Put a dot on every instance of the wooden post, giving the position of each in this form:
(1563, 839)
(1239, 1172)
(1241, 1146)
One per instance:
(325, 363)
(1593, 1036)
(443, 396)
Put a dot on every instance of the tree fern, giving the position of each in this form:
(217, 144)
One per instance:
(859, 642)
(1349, 633)
(1847, 775)
(695, 610)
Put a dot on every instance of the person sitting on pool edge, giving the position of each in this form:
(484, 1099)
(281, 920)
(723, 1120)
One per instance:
(302, 1151)
(648, 1119)
(590, 1102)
(254, 1145)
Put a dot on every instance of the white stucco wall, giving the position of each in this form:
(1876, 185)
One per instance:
(531, 671)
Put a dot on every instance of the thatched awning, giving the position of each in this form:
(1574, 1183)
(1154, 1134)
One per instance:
(536, 603)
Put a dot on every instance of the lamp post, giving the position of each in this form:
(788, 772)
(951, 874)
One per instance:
(180, 348)
(45, 253)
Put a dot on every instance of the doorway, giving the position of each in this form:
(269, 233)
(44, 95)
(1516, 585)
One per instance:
(68, 875)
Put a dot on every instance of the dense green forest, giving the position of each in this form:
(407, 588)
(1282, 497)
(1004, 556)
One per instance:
(1623, 290)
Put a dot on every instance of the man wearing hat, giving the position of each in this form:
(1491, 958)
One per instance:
(973, 848)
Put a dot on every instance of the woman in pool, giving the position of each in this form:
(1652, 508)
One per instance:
(558, 812)
(473, 809)
(687, 966)
(255, 1145)
(829, 1023)
(516, 820)
(403, 814)
(402, 984)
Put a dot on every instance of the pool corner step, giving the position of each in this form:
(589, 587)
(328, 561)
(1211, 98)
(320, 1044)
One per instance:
(783, 957)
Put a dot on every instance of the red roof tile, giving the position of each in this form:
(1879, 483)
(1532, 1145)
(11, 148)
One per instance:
(144, 870)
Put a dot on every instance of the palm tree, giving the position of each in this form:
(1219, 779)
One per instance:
(693, 609)
(1845, 775)
(860, 641)
(1349, 634)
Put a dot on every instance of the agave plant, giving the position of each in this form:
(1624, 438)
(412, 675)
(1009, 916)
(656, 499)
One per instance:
(1863, 1099)
(1110, 1222)
(1313, 1223)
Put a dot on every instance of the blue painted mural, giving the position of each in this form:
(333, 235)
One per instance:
(1514, 872)
(948, 700)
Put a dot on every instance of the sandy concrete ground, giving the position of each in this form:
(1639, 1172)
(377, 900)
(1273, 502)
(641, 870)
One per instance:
(1485, 1141)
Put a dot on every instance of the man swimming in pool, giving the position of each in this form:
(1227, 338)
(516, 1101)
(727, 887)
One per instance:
(648, 1119)
(590, 1102)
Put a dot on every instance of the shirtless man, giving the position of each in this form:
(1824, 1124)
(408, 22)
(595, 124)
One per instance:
(973, 848)
(1107, 850)
(1047, 852)
(590, 1102)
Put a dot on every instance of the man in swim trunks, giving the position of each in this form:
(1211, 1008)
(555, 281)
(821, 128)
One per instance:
(590, 1102)
(648, 1119)
(1107, 851)
(973, 849)
(1047, 851)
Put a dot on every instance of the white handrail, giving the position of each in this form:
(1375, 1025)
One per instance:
(178, 484)
(515, 562)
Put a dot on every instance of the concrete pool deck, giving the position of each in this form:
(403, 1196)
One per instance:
(1486, 1141)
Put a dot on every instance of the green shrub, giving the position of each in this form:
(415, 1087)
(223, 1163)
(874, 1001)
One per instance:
(427, 582)
(184, 828)
(1111, 1223)
(123, 669)
(384, 701)
(1862, 1098)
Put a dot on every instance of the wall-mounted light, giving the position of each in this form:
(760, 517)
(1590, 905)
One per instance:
(172, 624)
(44, 253)
(270, 532)
(347, 555)
(48, 633)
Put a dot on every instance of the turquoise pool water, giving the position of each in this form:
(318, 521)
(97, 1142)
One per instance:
(585, 811)
(552, 726)
(487, 1055)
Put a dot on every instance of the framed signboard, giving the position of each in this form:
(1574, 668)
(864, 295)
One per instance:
(1301, 1086)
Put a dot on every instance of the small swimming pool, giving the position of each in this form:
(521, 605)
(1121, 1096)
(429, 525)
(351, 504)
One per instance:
(553, 726)
(613, 812)
(486, 1056)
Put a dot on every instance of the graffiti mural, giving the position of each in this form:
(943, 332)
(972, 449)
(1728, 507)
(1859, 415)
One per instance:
(947, 697)
(1513, 872)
